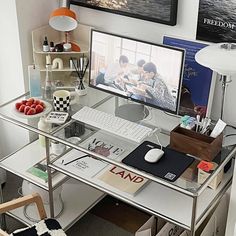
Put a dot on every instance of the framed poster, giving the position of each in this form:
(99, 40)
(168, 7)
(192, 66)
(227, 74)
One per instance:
(197, 86)
(161, 11)
(217, 21)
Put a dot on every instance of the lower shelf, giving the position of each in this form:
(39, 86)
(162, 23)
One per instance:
(78, 199)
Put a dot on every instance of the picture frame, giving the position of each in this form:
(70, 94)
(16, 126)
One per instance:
(160, 11)
(216, 22)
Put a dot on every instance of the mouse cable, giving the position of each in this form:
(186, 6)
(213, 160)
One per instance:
(154, 132)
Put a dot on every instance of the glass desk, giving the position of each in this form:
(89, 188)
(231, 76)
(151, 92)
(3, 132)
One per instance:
(183, 202)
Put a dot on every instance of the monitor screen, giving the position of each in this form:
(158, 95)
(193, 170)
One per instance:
(141, 71)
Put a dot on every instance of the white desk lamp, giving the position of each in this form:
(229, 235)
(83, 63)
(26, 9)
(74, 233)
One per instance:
(220, 58)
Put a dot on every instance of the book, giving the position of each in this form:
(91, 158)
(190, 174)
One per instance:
(78, 162)
(39, 171)
(123, 180)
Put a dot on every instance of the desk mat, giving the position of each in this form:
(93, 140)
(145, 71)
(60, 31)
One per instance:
(171, 165)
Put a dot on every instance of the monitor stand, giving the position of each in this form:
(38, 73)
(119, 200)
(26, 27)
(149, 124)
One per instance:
(132, 112)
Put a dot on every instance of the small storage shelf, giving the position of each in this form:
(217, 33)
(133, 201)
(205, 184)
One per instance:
(79, 36)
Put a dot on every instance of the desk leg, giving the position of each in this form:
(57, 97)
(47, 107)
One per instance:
(2, 216)
(193, 220)
(50, 189)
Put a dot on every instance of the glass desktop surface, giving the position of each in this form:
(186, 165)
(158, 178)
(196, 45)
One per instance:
(106, 103)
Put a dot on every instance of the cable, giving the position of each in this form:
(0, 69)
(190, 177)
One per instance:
(228, 135)
(35, 220)
(231, 126)
(154, 133)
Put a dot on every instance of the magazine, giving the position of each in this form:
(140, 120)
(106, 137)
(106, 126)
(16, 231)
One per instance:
(79, 162)
(39, 171)
(102, 144)
(123, 180)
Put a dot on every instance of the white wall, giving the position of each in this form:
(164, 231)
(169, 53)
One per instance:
(17, 19)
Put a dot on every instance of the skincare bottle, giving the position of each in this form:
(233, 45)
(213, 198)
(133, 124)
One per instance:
(51, 47)
(45, 45)
(44, 126)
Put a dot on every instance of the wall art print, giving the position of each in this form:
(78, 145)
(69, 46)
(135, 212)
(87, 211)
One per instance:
(161, 11)
(217, 21)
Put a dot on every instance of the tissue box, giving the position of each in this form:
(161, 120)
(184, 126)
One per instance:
(194, 143)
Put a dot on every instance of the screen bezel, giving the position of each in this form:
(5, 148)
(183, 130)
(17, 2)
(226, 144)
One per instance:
(130, 98)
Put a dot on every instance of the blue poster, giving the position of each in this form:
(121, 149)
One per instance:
(196, 79)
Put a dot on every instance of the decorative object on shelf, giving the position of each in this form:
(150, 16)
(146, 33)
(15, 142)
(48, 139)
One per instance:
(34, 81)
(62, 100)
(219, 57)
(57, 63)
(160, 11)
(64, 19)
(49, 86)
(81, 69)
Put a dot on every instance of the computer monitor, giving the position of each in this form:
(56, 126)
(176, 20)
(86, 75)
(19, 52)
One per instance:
(137, 70)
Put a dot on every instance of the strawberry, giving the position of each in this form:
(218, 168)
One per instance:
(17, 105)
(22, 107)
(31, 100)
(26, 109)
(28, 103)
(39, 108)
(24, 101)
(42, 104)
(33, 105)
(36, 102)
(31, 111)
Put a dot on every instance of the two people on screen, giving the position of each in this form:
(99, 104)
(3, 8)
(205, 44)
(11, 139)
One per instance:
(140, 81)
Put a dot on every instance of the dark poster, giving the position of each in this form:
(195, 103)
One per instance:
(161, 11)
(196, 83)
(217, 21)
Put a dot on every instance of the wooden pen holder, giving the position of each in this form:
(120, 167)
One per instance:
(194, 143)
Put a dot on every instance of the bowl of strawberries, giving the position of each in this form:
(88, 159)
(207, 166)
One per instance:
(32, 108)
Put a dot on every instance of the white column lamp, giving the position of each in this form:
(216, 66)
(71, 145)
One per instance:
(221, 58)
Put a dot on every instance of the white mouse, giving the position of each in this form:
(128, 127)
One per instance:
(153, 155)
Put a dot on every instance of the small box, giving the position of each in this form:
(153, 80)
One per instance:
(194, 143)
(203, 175)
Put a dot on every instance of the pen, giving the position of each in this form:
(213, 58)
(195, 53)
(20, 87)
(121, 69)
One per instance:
(198, 121)
(74, 160)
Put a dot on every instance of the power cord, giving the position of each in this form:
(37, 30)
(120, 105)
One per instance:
(154, 132)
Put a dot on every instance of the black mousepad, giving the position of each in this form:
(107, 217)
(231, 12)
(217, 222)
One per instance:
(171, 165)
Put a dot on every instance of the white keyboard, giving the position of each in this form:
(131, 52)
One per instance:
(113, 124)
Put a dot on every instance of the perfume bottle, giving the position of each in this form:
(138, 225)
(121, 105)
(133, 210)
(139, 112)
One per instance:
(49, 86)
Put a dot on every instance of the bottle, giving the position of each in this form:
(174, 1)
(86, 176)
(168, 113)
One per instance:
(49, 86)
(45, 45)
(51, 47)
(44, 126)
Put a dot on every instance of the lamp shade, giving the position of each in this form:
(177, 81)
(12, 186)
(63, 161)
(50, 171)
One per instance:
(63, 19)
(219, 57)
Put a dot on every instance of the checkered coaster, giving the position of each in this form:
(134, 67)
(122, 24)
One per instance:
(61, 104)
(48, 227)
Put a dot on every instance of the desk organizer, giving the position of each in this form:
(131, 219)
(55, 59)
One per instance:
(194, 143)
